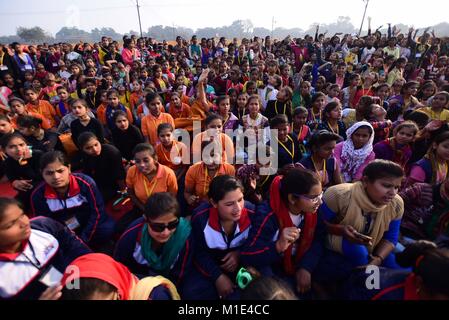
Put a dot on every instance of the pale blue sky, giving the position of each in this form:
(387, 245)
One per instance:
(121, 14)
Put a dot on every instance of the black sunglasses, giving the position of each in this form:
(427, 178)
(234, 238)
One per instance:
(160, 227)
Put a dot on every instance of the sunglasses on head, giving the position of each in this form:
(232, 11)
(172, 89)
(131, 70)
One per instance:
(160, 227)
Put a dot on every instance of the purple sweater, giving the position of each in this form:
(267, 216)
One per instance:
(384, 151)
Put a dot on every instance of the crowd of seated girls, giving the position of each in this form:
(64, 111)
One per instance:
(169, 172)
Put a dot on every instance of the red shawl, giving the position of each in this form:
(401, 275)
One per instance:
(283, 216)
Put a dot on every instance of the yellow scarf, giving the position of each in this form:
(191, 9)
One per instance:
(349, 202)
(142, 290)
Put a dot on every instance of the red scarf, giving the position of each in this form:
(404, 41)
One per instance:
(74, 189)
(13, 256)
(214, 220)
(410, 288)
(284, 220)
(103, 267)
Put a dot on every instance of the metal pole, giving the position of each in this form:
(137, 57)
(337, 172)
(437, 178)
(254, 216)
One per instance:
(363, 19)
(272, 27)
(138, 13)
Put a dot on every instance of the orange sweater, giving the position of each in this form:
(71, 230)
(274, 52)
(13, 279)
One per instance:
(134, 100)
(150, 124)
(45, 109)
(184, 112)
(101, 114)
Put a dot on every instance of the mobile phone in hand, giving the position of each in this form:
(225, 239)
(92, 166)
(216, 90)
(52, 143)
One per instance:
(363, 236)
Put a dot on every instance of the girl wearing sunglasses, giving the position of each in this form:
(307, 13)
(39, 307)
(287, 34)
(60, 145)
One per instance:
(159, 242)
(219, 229)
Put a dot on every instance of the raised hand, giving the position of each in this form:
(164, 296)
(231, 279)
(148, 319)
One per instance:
(204, 75)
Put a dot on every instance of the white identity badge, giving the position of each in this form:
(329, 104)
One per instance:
(73, 223)
(51, 278)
